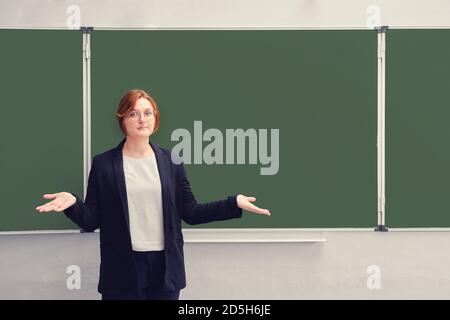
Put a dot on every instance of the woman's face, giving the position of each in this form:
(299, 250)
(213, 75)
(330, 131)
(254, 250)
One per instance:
(140, 122)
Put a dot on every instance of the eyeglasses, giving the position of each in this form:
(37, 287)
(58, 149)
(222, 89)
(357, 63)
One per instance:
(136, 115)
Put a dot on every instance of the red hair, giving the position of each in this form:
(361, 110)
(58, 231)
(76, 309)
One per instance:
(127, 103)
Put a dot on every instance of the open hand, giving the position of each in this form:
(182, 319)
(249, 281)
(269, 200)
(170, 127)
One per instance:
(61, 201)
(245, 203)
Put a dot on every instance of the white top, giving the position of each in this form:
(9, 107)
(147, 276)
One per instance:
(144, 196)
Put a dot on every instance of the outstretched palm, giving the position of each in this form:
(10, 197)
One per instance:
(245, 203)
(61, 201)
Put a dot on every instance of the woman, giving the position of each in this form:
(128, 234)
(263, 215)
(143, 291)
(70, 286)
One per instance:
(137, 197)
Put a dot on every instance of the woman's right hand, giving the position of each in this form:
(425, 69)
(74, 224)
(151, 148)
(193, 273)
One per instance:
(61, 201)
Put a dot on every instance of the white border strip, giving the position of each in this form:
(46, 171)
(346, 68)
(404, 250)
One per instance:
(84, 48)
(249, 235)
(221, 235)
(43, 232)
(86, 110)
(229, 28)
(383, 126)
(254, 240)
(272, 28)
(381, 56)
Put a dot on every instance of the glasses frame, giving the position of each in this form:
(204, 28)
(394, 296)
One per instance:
(135, 119)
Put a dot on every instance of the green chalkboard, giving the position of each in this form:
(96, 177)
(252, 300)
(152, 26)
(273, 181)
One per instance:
(41, 145)
(417, 128)
(318, 88)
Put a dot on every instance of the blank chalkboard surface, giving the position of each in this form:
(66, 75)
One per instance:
(42, 133)
(417, 128)
(318, 88)
(306, 99)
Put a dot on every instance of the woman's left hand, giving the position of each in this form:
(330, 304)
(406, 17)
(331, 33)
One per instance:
(245, 203)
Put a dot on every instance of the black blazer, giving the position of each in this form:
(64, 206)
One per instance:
(106, 208)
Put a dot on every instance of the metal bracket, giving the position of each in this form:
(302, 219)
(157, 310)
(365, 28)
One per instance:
(381, 29)
(86, 29)
(381, 228)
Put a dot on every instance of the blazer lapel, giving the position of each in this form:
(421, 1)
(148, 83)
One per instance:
(161, 160)
(120, 180)
(163, 168)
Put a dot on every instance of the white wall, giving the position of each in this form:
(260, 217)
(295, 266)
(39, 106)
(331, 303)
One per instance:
(226, 13)
(413, 265)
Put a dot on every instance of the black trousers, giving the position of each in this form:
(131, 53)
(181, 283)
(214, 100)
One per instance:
(150, 267)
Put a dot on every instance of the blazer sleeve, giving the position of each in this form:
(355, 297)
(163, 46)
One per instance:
(197, 213)
(86, 214)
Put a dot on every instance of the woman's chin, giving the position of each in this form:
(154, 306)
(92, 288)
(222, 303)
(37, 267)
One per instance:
(142, 133)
